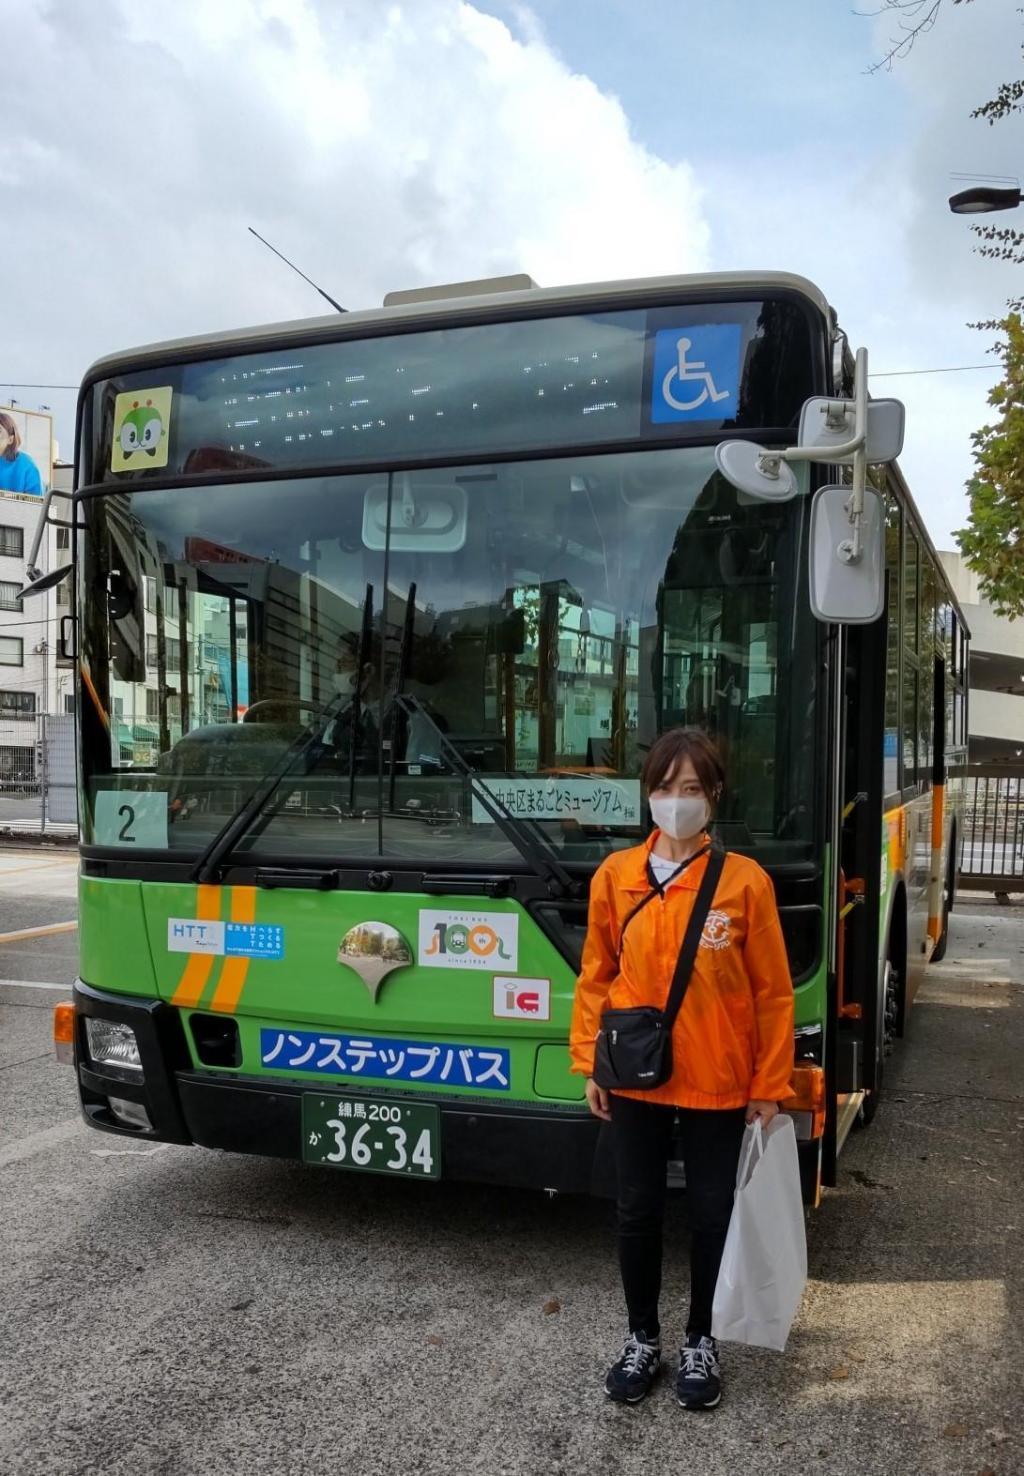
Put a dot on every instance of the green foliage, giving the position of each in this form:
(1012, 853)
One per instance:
(1009, 99)
(993, 541)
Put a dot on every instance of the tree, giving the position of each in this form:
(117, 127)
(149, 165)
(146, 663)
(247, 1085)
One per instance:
(993, 541)
(915, 18)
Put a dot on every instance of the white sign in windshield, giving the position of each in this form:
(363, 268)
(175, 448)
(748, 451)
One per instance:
(588, 801)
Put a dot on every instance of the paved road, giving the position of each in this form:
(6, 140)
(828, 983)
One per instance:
(174, 1311)
(38, 887)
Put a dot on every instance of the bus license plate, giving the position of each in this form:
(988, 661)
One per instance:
(372, 1135)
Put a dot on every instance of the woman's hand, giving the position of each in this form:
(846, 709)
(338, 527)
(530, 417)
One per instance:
(764, 1110)
(597, 1100)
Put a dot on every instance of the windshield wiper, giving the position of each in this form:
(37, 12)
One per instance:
(207, 867)
(527, 837)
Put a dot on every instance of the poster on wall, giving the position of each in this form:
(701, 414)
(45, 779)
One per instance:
(26, 450)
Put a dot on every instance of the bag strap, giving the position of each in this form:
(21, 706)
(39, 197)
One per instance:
(658, 889)
(691, 939)
(661, 887)
(630, 915)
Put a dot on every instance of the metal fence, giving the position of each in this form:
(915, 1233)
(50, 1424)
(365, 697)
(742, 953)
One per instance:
(37, 776)
(992, 843)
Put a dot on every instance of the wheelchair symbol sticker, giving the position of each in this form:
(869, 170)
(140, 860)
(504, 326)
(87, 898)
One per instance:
(696, 373)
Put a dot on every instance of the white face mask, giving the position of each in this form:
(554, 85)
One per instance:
(682, 817)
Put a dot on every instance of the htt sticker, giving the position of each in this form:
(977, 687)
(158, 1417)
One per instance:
(231, 940)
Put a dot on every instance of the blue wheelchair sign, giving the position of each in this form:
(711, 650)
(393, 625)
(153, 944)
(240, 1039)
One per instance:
(696, 373)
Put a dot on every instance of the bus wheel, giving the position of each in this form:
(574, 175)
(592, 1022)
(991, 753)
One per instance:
(939, 951)
(889, 1015)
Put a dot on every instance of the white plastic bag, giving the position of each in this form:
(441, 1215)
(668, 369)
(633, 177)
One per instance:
(764, 1266)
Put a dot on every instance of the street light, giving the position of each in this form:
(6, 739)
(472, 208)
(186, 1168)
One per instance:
(983, 199)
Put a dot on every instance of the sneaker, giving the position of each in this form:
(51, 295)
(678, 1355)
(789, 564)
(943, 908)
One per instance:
(699, 1380)
(630, 1379)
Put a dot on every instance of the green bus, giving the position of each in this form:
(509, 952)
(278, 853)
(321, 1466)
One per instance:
(375, 618)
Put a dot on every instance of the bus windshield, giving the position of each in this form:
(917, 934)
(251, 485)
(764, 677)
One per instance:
(543, 620)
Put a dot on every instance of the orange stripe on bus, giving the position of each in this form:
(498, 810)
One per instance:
(200, 965)
(104, 716)
(938, 817)
(896, 820)
(233, 974)
(938, 810)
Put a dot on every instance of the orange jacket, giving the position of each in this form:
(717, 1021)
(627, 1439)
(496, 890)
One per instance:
(733, 1037)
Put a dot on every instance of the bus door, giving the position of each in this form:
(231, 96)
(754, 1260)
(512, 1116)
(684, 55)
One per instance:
(940, 883)
(858, 1026)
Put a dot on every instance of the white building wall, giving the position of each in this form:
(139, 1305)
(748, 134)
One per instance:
(998, 715)
(994, 717)
(29, 663)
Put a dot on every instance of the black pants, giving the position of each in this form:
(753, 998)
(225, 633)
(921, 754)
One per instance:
(641, 1134)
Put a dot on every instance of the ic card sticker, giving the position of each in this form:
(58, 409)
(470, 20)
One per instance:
(142, 421)
(521, 999)
(132, 818)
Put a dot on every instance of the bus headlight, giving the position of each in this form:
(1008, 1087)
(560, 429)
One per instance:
(114, 1045)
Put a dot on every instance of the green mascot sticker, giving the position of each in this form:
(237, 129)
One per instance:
(141, 422)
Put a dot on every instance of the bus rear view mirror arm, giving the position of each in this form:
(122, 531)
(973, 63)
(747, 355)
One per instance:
(834, 431)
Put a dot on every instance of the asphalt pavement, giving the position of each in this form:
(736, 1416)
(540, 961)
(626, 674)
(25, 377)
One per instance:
(171, 1310)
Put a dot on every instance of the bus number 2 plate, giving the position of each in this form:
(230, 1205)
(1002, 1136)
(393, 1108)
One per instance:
(131, 818)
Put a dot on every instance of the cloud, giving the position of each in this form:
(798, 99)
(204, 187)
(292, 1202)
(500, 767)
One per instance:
(378, 145)
(384, 145)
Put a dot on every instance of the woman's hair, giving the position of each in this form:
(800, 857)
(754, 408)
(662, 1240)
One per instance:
(10, 425)
(682, 743)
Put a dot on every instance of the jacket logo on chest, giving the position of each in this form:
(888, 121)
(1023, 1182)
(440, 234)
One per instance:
(715, 933)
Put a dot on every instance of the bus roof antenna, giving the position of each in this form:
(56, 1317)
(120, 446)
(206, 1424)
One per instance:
(327, 295)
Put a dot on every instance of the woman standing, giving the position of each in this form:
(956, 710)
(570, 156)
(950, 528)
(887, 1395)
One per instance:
(732, 1048)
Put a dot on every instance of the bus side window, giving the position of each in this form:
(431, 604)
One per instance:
(910, 658)
(891, 761)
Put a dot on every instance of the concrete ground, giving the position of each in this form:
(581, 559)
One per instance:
(169, 1310)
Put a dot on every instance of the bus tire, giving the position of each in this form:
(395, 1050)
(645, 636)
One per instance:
(889, 1013)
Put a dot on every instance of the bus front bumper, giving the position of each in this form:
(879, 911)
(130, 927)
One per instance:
(517, 1145)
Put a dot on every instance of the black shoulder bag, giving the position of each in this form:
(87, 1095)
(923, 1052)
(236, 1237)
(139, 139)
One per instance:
(634, 1047)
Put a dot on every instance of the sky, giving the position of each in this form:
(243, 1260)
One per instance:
(384, 145)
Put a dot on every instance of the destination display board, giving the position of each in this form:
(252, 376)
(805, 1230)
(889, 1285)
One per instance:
(642, 375)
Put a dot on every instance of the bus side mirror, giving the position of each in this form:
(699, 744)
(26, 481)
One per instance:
(45, 581)
(825, 424)
(847, 584)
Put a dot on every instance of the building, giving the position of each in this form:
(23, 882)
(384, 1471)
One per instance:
(996, 673)
(34, 678)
